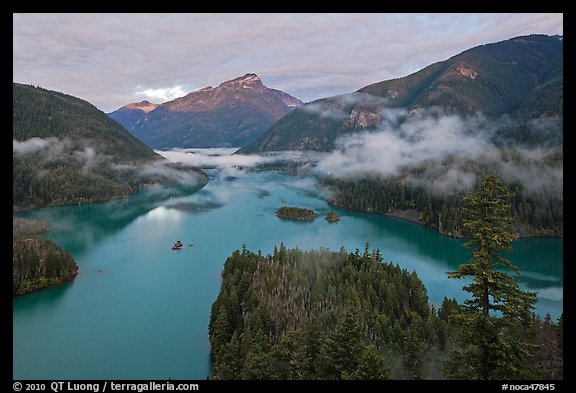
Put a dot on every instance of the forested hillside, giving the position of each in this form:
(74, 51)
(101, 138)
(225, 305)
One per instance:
(409, 196)
(411, 146)
(65, 151)
(42, 113)
(521, 78)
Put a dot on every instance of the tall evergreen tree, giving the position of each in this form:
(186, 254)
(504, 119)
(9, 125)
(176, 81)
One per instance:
(342, 351)
(312, 345)
(489, 322)
(231, 364)
(370, 366)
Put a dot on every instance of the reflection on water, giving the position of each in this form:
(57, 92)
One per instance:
(263, 193)
(195, 206)
(139, 310)
(46, 298)
(552, 293)
(80, 228)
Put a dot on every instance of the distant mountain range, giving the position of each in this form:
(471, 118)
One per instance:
(521, 78)
(235, 113)
(66, 151)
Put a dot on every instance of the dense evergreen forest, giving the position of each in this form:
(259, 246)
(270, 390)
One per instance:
(37, 262)
(323, 315)
(412, 194)
(42, 113)
(341, 315)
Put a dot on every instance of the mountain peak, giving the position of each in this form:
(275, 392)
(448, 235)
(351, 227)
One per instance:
(129, 114)
(234, 113)
(248, 80)
(145, 106)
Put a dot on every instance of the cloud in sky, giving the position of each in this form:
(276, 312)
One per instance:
(113, 59)
(162, 94)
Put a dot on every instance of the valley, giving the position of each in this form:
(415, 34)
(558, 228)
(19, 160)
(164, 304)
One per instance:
(407, 228)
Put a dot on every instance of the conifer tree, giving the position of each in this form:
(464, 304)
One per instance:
(341, 355)
(489, 322)
(370, 366)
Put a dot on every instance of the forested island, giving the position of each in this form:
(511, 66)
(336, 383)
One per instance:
(321, 315)
(37, 262)
(296, 213)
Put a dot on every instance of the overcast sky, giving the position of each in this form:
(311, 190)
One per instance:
(114, 59)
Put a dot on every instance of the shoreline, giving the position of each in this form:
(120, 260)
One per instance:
(402, 217)
(17, 211)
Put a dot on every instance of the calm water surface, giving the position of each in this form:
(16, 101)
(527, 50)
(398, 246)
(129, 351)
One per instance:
(138, 310)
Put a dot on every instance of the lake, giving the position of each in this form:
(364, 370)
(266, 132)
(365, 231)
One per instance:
(139, 310)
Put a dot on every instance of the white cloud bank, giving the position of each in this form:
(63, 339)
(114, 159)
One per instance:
(224, 158)
(423, 136)
(442, 146)
(53, 149)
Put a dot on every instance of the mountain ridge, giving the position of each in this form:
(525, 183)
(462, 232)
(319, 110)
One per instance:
(521, 77)
(234, 113)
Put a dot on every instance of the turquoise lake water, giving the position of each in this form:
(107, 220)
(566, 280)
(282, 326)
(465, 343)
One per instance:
(138, 310)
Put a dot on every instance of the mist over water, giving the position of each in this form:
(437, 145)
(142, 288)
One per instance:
(449, 151)
(90, 159)
(140, 310)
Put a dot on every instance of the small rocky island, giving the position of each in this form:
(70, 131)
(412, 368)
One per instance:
(332, 217)
(296, 213)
